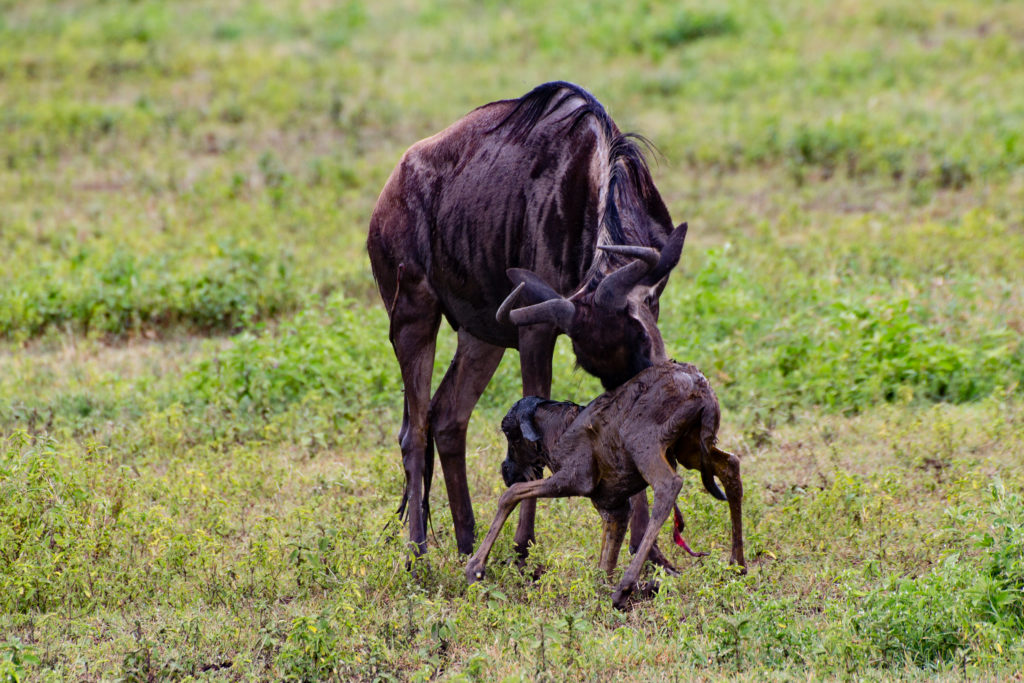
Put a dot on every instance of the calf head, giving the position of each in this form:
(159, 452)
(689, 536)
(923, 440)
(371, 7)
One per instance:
(532, 427)
(612, 319)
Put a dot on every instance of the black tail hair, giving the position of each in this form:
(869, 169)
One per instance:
(707, 472)
(630, 180)
(428, 477)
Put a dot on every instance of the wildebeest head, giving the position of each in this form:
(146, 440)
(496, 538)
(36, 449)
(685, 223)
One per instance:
(532, 426)
(523, 459)
(612, 320)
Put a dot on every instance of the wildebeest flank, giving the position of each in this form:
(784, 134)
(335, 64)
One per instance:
(543, 192)
(610, 450)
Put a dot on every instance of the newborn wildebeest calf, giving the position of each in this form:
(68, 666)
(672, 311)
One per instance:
(613, 448)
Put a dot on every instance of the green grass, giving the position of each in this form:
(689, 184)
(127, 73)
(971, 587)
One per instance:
(198, 402)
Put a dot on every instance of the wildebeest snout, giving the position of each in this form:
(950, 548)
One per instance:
(514, 473)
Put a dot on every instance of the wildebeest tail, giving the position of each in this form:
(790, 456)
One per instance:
(428, 477)
(707, 471)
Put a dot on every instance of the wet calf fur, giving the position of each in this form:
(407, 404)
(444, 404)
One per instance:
(613, 448)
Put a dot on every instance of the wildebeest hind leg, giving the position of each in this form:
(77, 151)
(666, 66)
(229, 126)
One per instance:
(615, 524)
(467, 377)
(415, 317)
(638, 522)
(666, 484)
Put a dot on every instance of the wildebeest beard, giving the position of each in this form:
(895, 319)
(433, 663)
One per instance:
(512, 473)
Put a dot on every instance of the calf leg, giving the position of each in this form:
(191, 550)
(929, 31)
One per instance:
(666, 484)
(727, 468)
(467, 377)
(559, 485)
(616, 522)
(638, 522)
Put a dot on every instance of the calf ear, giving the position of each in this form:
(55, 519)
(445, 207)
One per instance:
(529, 431)
(526, 426)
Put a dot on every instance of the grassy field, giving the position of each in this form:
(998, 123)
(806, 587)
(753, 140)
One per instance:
(198, 401)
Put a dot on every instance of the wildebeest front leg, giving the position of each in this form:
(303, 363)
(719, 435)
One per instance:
(727, 468)
(638, 522)
(556, 486)
(467, 377)
(536, 347)
(666, 484)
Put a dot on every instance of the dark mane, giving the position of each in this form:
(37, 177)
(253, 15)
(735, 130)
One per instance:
(630, 186)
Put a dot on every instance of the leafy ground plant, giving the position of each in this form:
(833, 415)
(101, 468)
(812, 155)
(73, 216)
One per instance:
(199, 403)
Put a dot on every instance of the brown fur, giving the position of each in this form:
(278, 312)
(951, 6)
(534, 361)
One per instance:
(611, 450)
(527, 188)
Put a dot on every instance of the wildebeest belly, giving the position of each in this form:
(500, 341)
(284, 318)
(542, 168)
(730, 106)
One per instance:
(614, 489)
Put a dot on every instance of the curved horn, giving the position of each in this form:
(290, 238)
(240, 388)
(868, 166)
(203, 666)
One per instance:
(670, 254)
(535, 285)
(648, 255)
(558, 312)
(612, 291)
(502, 315)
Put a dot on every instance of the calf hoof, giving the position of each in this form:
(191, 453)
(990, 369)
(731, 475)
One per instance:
(474, 571)
(624, 597)
(620, 598)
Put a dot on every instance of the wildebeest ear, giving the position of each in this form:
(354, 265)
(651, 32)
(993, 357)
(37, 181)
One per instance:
(527, 409)
(529, 431)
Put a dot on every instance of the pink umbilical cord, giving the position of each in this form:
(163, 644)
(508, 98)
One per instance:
(677, 535)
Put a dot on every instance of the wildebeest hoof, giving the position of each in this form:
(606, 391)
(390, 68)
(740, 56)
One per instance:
(624, 597)
(620, 598)
(474, 571)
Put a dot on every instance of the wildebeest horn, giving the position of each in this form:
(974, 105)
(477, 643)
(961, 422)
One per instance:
(502, 315)
(649, 269)
(670, 254)
(648, 255)
(558, 312)
(536, 288)
(612, 291)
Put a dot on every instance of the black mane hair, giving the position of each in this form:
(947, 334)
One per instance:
(630, 186)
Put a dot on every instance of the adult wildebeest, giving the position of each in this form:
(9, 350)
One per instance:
(543, 192)
(614, 447)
